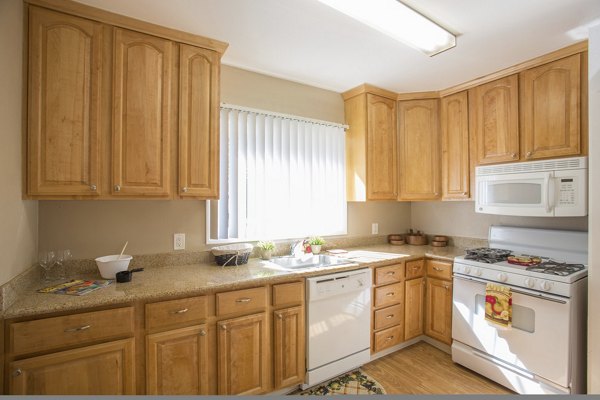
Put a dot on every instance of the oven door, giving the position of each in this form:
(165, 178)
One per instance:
(537, 342)
(524, 194)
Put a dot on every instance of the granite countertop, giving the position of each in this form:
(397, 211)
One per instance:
(196, 279)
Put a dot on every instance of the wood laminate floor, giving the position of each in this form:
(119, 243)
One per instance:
(424, 369)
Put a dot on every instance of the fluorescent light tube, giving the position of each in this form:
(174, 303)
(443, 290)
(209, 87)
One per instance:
(399, 22)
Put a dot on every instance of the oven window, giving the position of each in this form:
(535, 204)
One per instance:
(523, 318)
(514, 193)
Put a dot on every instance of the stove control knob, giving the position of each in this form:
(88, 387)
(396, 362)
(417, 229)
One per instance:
(530, 283)
(477, 271)
(545, 285)
(502, 277)
(467, 270)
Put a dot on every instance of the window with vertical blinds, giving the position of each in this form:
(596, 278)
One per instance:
(281, 177)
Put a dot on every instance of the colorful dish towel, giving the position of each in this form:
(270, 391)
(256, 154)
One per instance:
(498, 304)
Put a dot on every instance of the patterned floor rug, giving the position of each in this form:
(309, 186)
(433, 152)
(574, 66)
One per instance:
(355, 382)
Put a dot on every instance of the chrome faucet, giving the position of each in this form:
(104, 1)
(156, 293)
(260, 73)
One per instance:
(297, 248)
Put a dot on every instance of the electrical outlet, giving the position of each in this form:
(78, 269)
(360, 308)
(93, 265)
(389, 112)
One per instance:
(179, 241)
(374, 228)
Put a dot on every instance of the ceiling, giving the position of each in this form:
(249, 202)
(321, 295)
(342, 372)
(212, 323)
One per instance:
(308, 42)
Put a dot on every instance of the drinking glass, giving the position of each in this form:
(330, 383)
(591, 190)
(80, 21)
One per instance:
(46, 261)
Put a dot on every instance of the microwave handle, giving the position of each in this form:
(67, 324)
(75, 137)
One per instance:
(548, 182)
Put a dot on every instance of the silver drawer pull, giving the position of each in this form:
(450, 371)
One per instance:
(17, 372)
(243, 300)
(438, 269)
(391, 272)
(183, 311)
(416, 267)
(389, 316)
(203, 333)
(390, 294)
(446, 287)
(224, 327)
(78, 329)
(279, 316)
(389, 338)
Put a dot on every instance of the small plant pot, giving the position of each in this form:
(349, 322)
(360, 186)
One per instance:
(266, 254)
(316, 248)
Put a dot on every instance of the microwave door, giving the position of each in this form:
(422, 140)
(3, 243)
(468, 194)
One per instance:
(526, 194)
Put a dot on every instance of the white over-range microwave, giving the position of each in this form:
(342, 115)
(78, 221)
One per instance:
(551, 188)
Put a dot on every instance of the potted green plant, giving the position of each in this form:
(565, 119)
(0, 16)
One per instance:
(315, 244)
(266, 249)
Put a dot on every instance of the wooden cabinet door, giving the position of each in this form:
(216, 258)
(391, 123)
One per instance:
(198, 122)
(65, 58)
(103, 369)
(413, 311)
(141, 114)
(419, 161)
(494, 120)
(455, 146)
(382, 164)
(288, 347)
(176, 362)
(438, 313)
(550, 109)
(242, 355)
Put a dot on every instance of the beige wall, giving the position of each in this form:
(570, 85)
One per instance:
(18, 218)
(94, 228)
(460, 219)
(594, 233)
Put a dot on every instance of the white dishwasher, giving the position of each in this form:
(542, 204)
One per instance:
(339, 324)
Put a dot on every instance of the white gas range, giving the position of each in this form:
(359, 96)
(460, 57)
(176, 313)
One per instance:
(544, 350)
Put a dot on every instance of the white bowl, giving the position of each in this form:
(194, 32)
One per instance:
(109, 265)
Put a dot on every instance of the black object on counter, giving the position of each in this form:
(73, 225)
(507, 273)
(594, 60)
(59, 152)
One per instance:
(125, 276)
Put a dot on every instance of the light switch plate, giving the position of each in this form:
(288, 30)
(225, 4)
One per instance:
(179, 241)
(374, 228)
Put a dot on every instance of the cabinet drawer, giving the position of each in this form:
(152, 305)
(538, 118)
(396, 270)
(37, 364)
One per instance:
(174, 312)
(390, 274)
(76, 329)
(288, 294)
(388, 316)
(389, 294)
(415, 269)
(387, 338)
(439, 269)
(241, 301)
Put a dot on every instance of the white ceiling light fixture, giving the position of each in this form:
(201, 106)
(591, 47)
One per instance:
(399, 22)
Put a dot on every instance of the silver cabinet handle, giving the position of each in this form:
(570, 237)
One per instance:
(93, 187)
(17, 372)
(183, 311)
(438, 269)
(514, 155)
(279, 316)
(244, 300)
(224, 327)
(529, 154)
(202, 332)
(416, 267)
(446, 287)
(464, 193)
(389, 338)
(117, 188)
(389, 316)
(391, 272)
(184, 189)
(79, 329)
(389, 294)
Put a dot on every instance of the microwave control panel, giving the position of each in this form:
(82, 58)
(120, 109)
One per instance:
(566, 193)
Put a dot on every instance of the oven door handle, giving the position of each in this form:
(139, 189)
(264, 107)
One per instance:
(519, 291)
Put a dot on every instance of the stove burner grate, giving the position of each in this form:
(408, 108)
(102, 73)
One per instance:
(552, 267)
(487, 255)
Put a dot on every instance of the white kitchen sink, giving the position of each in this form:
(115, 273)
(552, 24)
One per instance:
(309, 261)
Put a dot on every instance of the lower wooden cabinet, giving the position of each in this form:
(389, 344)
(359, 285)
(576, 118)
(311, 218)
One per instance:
(288, 347)
(438, 314)
(413, 308)
(176, 362)
(103, 369)
(242, 355)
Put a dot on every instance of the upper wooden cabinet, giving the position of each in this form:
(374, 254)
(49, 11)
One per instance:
(107, 105)
(371, 160)
(198, 122)
(419, 149)
(64, 80)
(494, 120)
(550, 109)
(141, 114)
(455, 146)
